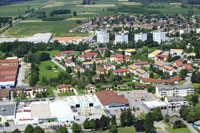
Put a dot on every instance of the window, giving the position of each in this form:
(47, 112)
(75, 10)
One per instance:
(91, 105)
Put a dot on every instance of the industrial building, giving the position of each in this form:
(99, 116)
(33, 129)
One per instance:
(8, 73)
(102, 37)
(159, 37)
(121, 38)
(140, 37)
(37, 38)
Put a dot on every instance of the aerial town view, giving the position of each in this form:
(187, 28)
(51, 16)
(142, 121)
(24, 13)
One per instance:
(99, 66)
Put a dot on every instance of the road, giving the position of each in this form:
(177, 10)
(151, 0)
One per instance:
(21, 77)
(58, 64)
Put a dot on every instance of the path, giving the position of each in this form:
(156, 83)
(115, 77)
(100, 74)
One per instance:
(58, 64)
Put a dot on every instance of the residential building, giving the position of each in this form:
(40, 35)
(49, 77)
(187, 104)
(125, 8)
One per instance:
(78, 68)
(60, 56)
(121, 38)
(108, 66)
(122, 86)
(154, 53)
(121, 71)
(69, 63)
(4, 94)
(64, 88)
(100, 70)
(140, 37)
(102, 37)
(111, 99)
(174, 90)
(159, 37)
(101, 50)
(88, 65)
(90, 88)
(106, 87)
(66, 53)
(177, 52)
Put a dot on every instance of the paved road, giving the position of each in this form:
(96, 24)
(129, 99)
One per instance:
(21, 77)
(58, 64)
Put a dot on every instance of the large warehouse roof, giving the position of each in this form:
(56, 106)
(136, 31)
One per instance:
(107, 97)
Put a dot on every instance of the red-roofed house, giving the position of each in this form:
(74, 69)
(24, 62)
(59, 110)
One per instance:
(141, 63)
(100, 70)
(66, 53)
(9, 62)
(189, 67)
(121, 71)
(150, 81)
(60, 56)
(111, 99)
(179, 63)
(64, 88)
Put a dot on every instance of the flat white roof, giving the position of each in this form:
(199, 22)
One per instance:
(83, 99)
(154, 104)
(40, 110)
(2, 40)
(60, 108)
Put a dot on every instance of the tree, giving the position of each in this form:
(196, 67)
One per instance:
(113, 120)
(107, 53)
(183, 73)
(103, 122)
(16, 131)
(75, 13)
(29, 129)
(76, 128)
(6, 124)
(157, 114)
(113, 129)
(86, 124)
(92, 124)
(194, 99)
(139, 126)
(123, 119)
(149, 123)
(129, 117)
(38, 129)
(194, 77)
(94, 66)
(98, 124)
(62, 130)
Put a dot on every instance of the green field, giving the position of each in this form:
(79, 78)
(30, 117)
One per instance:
(34, 25)
(123, 130)
(19, 8)
(178, 130)
(66, 94)
(52, 53)
(43, 72)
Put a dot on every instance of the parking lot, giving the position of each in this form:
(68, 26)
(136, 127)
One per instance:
(136, 98)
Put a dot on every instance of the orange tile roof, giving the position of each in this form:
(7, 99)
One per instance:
(188, 67)
(179, 63)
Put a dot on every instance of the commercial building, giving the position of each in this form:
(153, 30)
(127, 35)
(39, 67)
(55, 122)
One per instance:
(174, 90)
(175, 102)
(159, 37)
(111, 99)
(140, 37)
(102, 37)
(121, 38)
(7, 112)
(150, 105)
(83, 101)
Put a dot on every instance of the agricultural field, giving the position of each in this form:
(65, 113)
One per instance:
(17, 9)
(34, 24)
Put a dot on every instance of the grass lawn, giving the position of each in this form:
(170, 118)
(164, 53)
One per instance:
(48, 73)
(52, 53)
(182, 82)
(123, 130)
(179, 130)
(58, 28)
(195, 85)
(66, 93)
(80, 91)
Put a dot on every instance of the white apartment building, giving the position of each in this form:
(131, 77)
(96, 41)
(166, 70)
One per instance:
(141, 36)
(174, 90)
(159, 37)
(102, 37)
(121, 38)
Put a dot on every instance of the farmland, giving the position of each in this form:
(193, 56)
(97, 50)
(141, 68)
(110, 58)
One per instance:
(33, 24)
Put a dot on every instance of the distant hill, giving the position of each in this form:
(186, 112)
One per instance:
(8, 2)
(168, 1)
